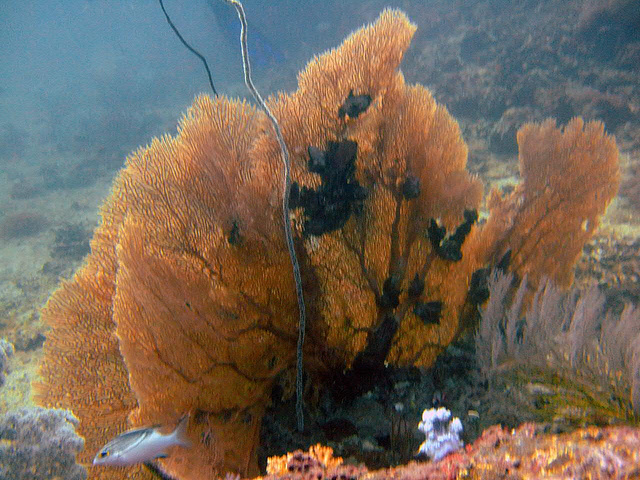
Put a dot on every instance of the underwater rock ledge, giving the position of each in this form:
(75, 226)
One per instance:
(523, 453)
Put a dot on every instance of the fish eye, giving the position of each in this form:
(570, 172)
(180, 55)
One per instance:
(104, 453)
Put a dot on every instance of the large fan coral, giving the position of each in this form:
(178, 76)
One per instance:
(187, 301)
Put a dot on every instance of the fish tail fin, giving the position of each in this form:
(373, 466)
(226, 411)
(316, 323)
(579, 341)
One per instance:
(180, 433)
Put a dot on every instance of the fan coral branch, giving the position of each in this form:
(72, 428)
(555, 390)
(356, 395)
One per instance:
(569, 178)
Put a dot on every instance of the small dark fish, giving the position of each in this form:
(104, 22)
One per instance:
(141, 445)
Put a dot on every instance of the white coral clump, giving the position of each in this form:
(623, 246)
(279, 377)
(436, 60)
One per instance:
(442, 431)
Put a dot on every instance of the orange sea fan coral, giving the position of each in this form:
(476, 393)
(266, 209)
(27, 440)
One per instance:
(187, 303)
(403, 136)
(569, 178)
(84, 370)
(204, 306)
(190, 301)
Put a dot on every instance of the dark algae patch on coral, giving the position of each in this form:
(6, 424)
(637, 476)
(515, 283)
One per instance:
(328, 207)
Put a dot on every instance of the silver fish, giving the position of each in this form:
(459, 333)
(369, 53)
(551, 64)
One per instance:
(141, 445)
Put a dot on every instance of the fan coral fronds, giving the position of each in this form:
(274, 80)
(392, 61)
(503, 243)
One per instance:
(569, 178)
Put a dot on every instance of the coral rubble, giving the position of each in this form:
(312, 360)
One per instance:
(524, 453)
(40, 444)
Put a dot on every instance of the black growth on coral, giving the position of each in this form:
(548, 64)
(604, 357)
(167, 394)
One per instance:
(429, 312)
(234, 237)
(329, 207)
(411, 187)
(449, 248)
(390, 293)
(354, 105)
(416, 287)
(479, 284)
